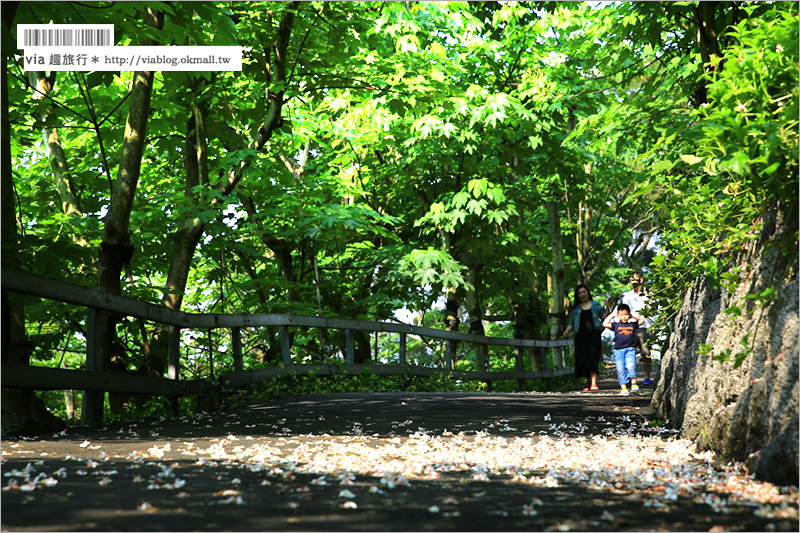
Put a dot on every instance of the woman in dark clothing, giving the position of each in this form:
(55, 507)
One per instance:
(587, 322)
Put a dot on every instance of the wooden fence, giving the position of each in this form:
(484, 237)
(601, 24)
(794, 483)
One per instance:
(93, 379)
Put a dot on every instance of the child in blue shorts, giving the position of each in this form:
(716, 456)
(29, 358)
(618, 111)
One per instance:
(624, 345)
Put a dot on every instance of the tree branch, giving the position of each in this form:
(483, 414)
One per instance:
(87, 99)
(515, 65)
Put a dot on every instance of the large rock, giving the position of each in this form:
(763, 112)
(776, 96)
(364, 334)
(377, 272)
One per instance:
(749, 413)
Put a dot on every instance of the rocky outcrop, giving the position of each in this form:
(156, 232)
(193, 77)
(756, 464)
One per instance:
(749, 413)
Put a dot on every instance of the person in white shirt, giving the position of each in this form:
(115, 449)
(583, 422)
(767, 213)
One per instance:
(637, 301)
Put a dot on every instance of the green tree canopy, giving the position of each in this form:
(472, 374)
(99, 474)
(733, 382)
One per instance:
(375, 156)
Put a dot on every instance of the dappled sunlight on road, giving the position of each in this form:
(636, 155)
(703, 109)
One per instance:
(615, 464)
(661, 469)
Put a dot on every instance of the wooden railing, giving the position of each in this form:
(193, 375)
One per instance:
(93, 379)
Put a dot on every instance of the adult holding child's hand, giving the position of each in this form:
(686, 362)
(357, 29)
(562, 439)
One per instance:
(586, 320)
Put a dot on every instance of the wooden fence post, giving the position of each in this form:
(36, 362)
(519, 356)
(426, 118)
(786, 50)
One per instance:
(92, 400)
(236, 341)
(546, 361)
(402, 349)
(489, 382)
(210, 354)
(174, 369)
(99, 303)
(283, 331)
(349, 357)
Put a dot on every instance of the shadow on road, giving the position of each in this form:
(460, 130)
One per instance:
(387, 462)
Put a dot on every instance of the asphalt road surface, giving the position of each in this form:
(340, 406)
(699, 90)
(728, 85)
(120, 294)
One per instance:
(579, 461)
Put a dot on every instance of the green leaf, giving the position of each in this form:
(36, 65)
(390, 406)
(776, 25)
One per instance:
(460, 199)
(661, 166)
(438, 50)
(738, 164)
(733, 310)
(478, 187)
(691, 159)
(641, 191)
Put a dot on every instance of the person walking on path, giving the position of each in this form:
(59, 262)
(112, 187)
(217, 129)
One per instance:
(637, 301)
(624, 341)
(587, 322)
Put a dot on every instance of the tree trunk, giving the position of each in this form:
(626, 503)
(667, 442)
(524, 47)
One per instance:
(23, 412)
(583, 240)
(270, 352)
(452, 304)
(191, 230)
(42, 86)
(361, 348)
(475, 311)
(527, 324)
(557, 275)
(281, 249)
(197, 173)
(116, 249)
(528, 311)
(186, 238)
(14, 344)
(708, 44)
(451, 319)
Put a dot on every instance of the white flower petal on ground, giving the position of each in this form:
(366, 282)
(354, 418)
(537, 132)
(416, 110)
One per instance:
(528, 510)
(628, 456)
(232, 500)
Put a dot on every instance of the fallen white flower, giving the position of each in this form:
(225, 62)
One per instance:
(233, 499)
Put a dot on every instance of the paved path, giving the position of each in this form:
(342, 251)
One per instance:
(396, 462)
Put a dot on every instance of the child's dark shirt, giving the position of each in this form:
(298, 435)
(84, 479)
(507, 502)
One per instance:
(623, 334)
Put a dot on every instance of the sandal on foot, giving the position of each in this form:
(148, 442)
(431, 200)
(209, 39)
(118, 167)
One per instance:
(594, 387)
